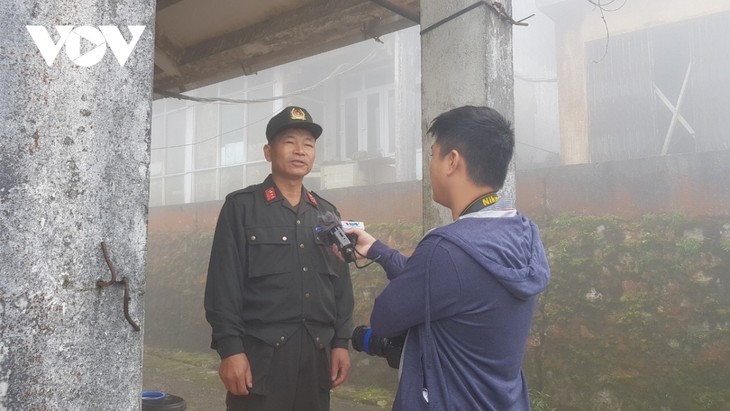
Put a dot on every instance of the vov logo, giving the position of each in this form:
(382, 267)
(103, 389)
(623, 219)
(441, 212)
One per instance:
(71, 37)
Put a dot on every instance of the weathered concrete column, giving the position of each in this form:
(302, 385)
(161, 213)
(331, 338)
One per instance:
(569, 17)
(407, 96)
(467, 60)
(74, 156)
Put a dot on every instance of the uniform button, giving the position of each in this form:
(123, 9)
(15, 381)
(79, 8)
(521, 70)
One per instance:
(277, 344)
(321, 346)
(253, 238)
(305, 269)
(306, 295)
(301, 245)
(283, 238)
(282, 338)
(317, 339)
(299, 222)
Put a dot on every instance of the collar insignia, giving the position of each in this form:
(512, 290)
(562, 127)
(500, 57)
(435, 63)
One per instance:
(311, 198)
(270, 194)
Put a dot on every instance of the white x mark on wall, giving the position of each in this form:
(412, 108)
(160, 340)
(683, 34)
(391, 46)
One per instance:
(676, 115)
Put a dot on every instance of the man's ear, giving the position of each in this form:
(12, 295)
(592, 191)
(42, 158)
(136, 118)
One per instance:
(453, 158)
(267, 152)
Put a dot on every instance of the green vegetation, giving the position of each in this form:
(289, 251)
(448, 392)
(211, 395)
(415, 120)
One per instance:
(370, 395)
(636, 316)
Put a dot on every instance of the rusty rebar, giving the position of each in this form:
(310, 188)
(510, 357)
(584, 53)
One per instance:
(124, 281)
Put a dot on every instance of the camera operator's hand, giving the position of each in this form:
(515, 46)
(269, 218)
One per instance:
(235, 372)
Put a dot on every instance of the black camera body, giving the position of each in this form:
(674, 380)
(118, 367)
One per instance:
(331, 229)
(363, 340)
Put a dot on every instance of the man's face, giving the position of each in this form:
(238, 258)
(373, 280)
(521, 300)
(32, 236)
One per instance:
(291, 153)
(437, 171)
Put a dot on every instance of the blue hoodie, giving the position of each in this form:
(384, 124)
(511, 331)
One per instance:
(466, 298)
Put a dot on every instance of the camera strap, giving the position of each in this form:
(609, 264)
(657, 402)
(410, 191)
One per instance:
(426, 345)
(480, 203)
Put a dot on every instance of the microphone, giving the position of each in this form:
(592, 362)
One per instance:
(330, 228)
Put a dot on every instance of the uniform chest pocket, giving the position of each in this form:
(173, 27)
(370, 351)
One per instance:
(324, 261)
(270, 251)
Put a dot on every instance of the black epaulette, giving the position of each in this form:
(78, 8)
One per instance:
(320, 198)
(247, 190)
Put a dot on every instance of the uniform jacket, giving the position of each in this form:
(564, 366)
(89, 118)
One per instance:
(270, 273)
(466, 297)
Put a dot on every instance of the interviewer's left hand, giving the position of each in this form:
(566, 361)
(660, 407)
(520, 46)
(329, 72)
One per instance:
(362, 245)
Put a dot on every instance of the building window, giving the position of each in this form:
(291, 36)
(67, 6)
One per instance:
(231, 179)
(232, 148)
(205, 186)
(368, 120)
(257, 116)
(174, 190)
(203, 151)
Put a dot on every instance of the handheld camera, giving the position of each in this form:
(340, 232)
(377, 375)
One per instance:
(331, 229)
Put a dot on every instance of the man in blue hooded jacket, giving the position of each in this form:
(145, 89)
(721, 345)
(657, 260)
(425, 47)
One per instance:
(466, 295)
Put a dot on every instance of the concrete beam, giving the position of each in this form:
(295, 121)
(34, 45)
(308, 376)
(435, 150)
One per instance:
(311, 30)
(167, 55)
(401, 10)
(163, 4)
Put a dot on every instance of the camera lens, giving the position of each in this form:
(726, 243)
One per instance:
(361, 337)
(363, 340)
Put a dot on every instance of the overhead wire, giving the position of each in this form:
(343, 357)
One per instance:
(334, 73)
(221, 100)
(603, 8)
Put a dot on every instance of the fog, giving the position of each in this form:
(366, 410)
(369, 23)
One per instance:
(622, 158)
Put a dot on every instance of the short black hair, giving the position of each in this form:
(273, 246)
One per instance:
(482, 136)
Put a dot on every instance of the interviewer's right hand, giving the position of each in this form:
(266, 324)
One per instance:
(235, 373)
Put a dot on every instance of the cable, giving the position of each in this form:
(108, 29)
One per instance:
(221, 100)
(214, 137)
(537, 148)
(602, 7)
(333, 74)
(364, 256)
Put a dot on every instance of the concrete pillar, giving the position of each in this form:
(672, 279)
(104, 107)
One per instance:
(74, 156)
(407, 98)
(467, 60)
(569, 17)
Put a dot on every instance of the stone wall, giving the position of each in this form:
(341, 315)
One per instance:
(691, 184)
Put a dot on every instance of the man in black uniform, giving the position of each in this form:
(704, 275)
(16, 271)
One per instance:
(278, 300)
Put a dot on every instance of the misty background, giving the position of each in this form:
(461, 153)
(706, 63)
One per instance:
(621, 119)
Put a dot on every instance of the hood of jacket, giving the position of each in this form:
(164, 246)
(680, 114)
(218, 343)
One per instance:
(508, 247)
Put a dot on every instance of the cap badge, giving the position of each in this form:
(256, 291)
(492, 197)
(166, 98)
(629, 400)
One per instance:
(297, 113)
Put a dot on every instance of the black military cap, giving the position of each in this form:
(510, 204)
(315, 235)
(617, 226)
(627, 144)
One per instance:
(292, 117)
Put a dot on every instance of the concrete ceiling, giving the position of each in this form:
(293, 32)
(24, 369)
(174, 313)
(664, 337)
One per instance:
(202, 42)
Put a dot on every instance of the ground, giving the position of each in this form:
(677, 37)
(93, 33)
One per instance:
(194, 378)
